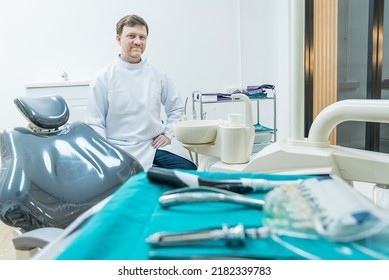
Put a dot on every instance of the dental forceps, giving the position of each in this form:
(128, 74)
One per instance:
(231, 236)
(206, 194)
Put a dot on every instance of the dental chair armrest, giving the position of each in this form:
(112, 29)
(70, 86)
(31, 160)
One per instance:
(37, 238)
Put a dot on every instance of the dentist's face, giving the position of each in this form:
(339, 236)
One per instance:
(133, 42)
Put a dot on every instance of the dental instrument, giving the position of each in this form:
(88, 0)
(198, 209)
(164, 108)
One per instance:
(206, 194)
(180, 179)
(228, 236)
(231, 236)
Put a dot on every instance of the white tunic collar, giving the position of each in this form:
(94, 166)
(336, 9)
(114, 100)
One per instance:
(131, 66)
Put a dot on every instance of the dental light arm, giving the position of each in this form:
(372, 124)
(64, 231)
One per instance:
(347, 110)
(354, 164)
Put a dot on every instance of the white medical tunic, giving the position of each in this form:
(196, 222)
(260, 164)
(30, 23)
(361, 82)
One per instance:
(125, 106)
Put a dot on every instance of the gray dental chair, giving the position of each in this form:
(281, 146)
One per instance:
(52, 171)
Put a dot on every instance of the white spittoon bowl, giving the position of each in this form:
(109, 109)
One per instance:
(196, 131)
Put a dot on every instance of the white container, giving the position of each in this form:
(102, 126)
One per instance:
(234, 120)
(236, 141)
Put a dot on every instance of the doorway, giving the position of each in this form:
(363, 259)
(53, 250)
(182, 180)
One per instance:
(362, 70)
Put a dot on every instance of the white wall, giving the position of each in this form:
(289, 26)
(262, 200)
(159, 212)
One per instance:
(265, 55)
(207, 45)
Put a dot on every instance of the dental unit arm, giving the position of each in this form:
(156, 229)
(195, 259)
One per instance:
(315, 155)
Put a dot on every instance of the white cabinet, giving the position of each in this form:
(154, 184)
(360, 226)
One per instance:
(75, 94)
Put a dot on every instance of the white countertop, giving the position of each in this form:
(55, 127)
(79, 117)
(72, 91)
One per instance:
(57, 84)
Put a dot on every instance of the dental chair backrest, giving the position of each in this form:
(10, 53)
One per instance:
(52, 171)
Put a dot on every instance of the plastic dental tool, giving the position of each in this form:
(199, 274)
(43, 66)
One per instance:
(181, 179)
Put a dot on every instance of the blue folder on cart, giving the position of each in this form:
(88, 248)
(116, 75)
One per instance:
(119, 230)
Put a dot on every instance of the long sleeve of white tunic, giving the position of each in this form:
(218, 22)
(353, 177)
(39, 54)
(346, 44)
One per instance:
(125, 106)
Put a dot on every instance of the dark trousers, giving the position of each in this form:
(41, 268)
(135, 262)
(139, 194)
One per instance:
(168, 160)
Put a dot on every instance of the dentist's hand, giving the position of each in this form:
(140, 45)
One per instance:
(161, 141)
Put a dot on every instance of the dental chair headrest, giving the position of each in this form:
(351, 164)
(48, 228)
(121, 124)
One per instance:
(48, 112)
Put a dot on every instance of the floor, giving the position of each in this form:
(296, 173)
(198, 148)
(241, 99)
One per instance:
(7, 251)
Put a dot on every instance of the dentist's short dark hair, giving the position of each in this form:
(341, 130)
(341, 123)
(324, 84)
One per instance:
(130, 20)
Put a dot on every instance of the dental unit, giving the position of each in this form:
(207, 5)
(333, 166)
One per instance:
(314, 155)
